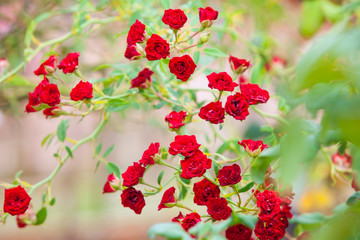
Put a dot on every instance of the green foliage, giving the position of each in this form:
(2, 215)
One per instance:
(61, 130)
(171, 231)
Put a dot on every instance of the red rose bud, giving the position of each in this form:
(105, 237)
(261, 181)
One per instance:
(16, 200)
(275, 63)
(47, 67)
(184, 145)
(168, 197)
(112, 184)
(70, 63)
(176, 119)
(83, 90)
(253, 148)
(213, 112)
(254, 94)
(238, 65)
(229, 175)
(207, 16)
(156, 48)
(3, 65)
(236, 106)
(148, 155)
(136, 33)
(52, 112)
(20, 222)
(238, 232)
(133, 174)
(141, 80)
(132, 53)
(178, 218)
(271, 229)
(175, 18)
(194, 166)
(34, 97)
(29, 217)
(50, 94)
(204, 38)
(190, 220)
(182, 67)
(221, 81)
(342, 161)
(204, 191)
(269, 204)
(218, 208)
(133, 199)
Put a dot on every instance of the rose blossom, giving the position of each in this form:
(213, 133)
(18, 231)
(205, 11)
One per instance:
(269, 204)
(133, 174)
(207, 16)
(238, 232)
(218, 208)
(185, 145)
(168, 197)
(49, 112)
(178, 218)
(176, 119)
(194, 166)
(236, 106)
(213, 112)
(134, 199)
(238, 65)
(70, 63)
(34, 97)
(221, 81)
(190, 220)
(148, 155)
(254, 94)
(136, 33)
(229, 175)
(83, 90)
(16, 200)
(141, 80)
(156, 48)
(204, 191)
(47, 67)
(50, 94)
(132, 53)
(182, 67)
(253, 148)
(112, 184)
(175, 18)
(273, 228)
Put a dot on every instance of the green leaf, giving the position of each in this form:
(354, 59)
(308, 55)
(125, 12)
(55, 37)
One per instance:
(169, 231)
(247, 220)
(160, 177)
(69, 151)
(112, 168)
(108, 151)
(247, 187)
(46, 139)
(98, 148)
(196, 57)
(262, 162)
(52, 201)
(353, 199)
(166, 4)
(41, 216)
(311, 18)
(309, 218)
(18, 174)
(216, 167)
(61, 130)
(215, 52)
(163, 66)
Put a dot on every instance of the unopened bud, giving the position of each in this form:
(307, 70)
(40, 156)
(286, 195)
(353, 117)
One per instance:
(204, 38)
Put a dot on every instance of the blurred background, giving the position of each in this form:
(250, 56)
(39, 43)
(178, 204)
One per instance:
(81, 211)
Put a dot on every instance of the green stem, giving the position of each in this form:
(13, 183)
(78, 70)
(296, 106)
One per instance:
(182, 206)
(237, 193)
(168, 165)
(143, 183)
(172, 178)
(264, 115)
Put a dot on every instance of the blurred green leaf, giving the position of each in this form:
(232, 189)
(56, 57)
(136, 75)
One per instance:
(108, 151)
(41, 216)
(215, 52)
(262, 162)
(353, 199)
(169, 231)
(61, 130)
(112, 168)
(311, 17)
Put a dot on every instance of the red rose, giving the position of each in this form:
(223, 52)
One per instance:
(254, 94)
(190, 220)
(136, 33)
(70, 63)
(141, 80)
(239, 65)
(168, 197)
(253, 148)
(285, 209)
(207, 16)
(156, 48)
(50, 94)
(184, 145)
(194, 166)
(273, 229)
(112, 184)
(238, 232)
(237, 106)
(16, 200)
(148, 155)
(47, 67)
(176, 119)
(213, 112)
(218, 208)
(221, 81)
(175, 18)
(229, 175)
(49, 112)
(342, 161)
(269, 204)
(34, 98)
(83, 90)
(204, 191)
(182, 67)
(133, 174)
(132, 53)
(133, 199)
(178, 218)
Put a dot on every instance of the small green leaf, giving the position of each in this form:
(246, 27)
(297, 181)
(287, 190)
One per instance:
(216, 167)
(108, 151)
(98, 148)
(61, 130)
(52, 201)
(166, 4)
(247, 187)
(196, 57)
(18, 174)
(161, 175)
(69, 151)
(41, 216)
(169, 231)
(262, 162)
(113, 168)
(215, 52)
(353, 199)
(46, 139)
